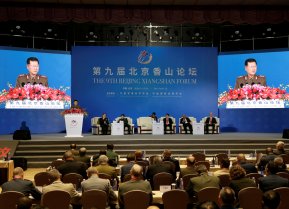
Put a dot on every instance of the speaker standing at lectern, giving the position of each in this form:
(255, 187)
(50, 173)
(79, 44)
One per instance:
(75, 104)
(32, 77)
(251, 78)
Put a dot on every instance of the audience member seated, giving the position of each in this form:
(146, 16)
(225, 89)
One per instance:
(271, 200)
(282, 167)
(168, 123)
(112, 156)
(191, 168)
(207, 205)
(201, 181)
(136, 183)
(157, 167)
(83, 157)
(103, 167)
(139, 156)
(238, 179)
(74, 150)
(24, 203)
(19, 184)
(167, 157)
(94, 182)
(227, 198)
(266, 158)
(125, 169)
(187, 123)
(72, 166)
(57, 184)
(224, 165)
(271, 180)
(95, 157)
(249, 167)
(280, 148)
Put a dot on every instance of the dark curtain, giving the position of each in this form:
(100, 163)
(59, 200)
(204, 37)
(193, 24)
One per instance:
(145, 14)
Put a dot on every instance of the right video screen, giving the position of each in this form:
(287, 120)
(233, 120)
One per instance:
(253, 79)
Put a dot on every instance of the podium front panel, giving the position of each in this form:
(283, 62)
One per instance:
(73, 124)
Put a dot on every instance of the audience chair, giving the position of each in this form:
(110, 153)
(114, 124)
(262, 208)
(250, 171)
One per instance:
(94, 199)
(206, 163)
(42, 179)
(285, 158)
(255, 177)
(162, 178)
(73, 178)
(175, 198)
(56, 163)
(283, 174)
(104, 176)
(187, 178)
(56, 200)
(8, 200)
(221, 156)
(199, 156)
(144, 125)
(136, 199)
(284, 194)
(250, 198)
(225, 180)
(208, 194)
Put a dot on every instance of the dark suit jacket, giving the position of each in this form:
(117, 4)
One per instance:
(214, 121)
(104, 121)
(271, 182)
(154, 169)
(249, 167)
(170, 121)
(73, 167)
(182, 121)
(242, 183)
(24, 186)
(125, 121)
(264, 160)
(125, 169)
(85, 159)
(176, 162)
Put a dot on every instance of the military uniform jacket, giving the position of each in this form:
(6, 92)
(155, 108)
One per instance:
(243, 80)
(27, 78)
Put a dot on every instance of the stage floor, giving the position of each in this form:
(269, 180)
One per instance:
(167, 137)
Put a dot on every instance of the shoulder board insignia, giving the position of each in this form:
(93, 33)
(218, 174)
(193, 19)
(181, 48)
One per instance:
(42, 76)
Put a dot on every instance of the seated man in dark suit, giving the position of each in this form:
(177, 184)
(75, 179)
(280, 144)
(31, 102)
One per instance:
(266, 158)
(125, 123)
(282, 167)
(104, 124)
(249, 167)
(271, 200)
(72, 166)
(167, 156)
(186, 123)
(18, 184)
(168, 123)
(125, 169)
(280, 148)
(272, 180)
(227, 198)
(83, 157)
(210, 121)
(191, 168)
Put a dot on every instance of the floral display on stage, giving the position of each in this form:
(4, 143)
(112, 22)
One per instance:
(34, 94)
(74, 111)
(256, 93)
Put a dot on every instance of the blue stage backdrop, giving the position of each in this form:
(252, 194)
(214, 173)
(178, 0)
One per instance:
(137, 81)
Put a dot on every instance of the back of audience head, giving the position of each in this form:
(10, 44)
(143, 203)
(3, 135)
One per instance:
(103, 159)
(191, 160)
(153, 207)
(54, 175)
(271, 168)
(18, 172)
(136, 171)
(241, 158)
(208, 205)
(138, 154)
(68, 155)
(237, 172)
(280, 145)
(269, 150)
(109, 146)
(72, 146)
(82, 151)
(156, 160)
(201, 169)
(271, 199)
(225, 163)
(227, 196)
(91, 171)
(167, 153)
(130, 157)
(24, 203)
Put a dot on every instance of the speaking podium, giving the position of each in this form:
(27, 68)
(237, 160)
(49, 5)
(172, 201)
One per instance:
(158, 128)
(198, 128)
(73, 124)
(117, 128)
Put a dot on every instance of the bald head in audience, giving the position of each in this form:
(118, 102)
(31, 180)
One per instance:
(136, 171)
(103, 160)
(227, 196)
(191, 161)
(153, 207)
(91, 171)
(54, 175)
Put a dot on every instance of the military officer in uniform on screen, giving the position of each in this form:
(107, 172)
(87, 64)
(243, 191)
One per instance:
(32, 77)
(251, 78)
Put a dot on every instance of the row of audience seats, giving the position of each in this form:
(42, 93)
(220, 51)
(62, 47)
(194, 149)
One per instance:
(144, 125)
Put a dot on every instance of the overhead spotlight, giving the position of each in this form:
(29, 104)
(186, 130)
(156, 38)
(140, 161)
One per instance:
(18, 27)
(91, 33)
(197, 34)
(269, 29)
(237, 32)
(49, 30)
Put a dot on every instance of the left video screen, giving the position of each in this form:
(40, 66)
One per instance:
(34, 79)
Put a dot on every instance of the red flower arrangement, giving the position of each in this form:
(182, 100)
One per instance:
(34, 92)
(253, 92)
(74, 111)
